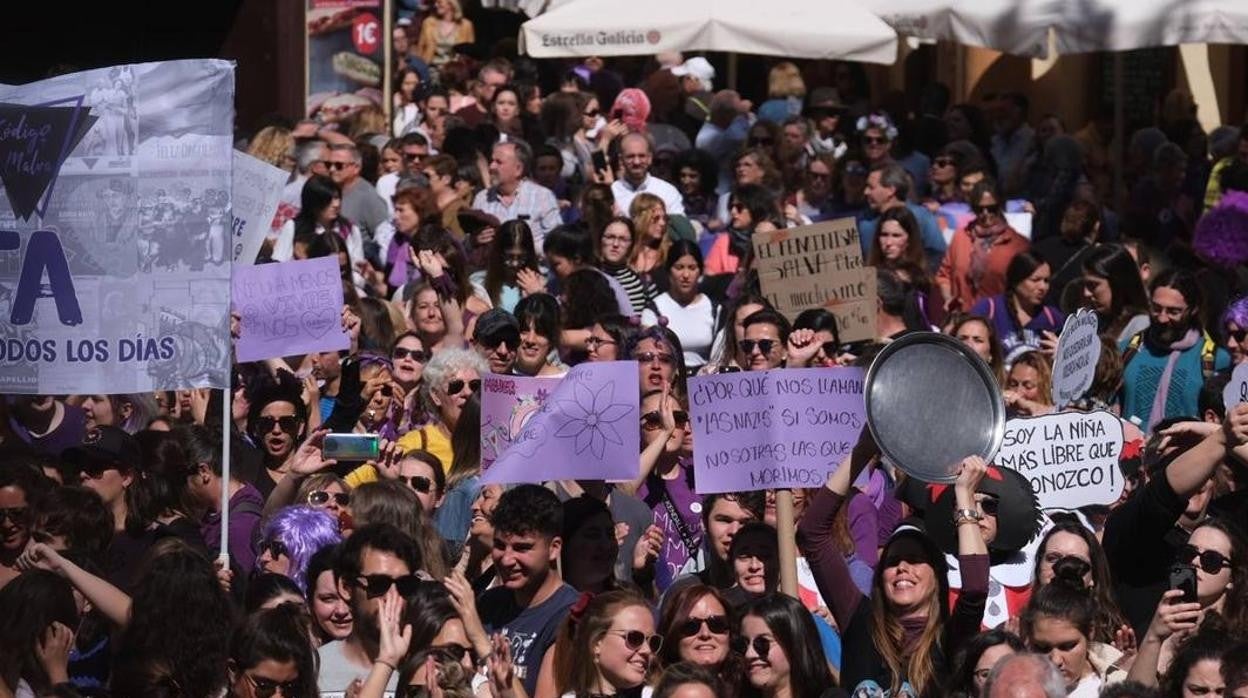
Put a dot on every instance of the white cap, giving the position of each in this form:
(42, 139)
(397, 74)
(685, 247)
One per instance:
(697, 67)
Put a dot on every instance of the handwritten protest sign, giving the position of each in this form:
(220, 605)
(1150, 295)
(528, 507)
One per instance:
(289, 308)
(1078, 350)
(764, 429)
(257, 189)
(1071, 458)
(1236, 391)
(819, 266)
(586, 428)
(507, 404)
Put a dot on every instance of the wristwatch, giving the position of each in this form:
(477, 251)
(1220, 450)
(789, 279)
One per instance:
(961, 516)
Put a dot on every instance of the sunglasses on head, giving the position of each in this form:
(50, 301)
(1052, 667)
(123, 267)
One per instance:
(375, 585)
(1211, 561)
(17, 515)
(717, 625)
(456, 386)
(652, 421)
(981, 210)
(288, 424)
(634, 639)
(420, 483)
(267, 688)
(420, 356)
(275, 548)
(764, 345)
(649, 357)
(319, 498)
(761, 645)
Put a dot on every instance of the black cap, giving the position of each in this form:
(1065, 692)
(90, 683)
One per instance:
(497, 325)
(105, 446)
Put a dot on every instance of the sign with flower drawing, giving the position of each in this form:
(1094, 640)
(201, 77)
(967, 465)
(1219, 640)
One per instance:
(584, 426)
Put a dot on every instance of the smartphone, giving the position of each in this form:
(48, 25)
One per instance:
(1183, 577)
(600, 160)
(352, 447)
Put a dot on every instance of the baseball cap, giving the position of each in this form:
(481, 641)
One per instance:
(697, 67)
(105, 446)
(497, 326)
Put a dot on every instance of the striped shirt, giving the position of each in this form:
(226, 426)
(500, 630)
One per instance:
(640, 292)
(531, 199)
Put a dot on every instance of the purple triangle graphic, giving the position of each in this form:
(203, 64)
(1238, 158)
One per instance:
(90, 162)
(34, 142)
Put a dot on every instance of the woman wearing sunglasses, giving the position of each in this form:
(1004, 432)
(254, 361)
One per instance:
(781, 649)
(1235, 328)
(328, 492)
(696, 625)
(975, 263)
(612, 650)
(662, 358)
(290, 538)
(408, 357)
(270, 656)
(451, 377)
(276, 423)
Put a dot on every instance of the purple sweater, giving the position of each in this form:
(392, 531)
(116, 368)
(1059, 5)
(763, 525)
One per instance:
(245, 507)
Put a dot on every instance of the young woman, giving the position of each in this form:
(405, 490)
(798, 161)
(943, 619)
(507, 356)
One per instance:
(1113, 288)
(406, 111)
(783, 655)
(1059, 622)
(616, 247)
(1235, 329)
(584, 296)
(270, 590)
(609, 336)
(1022, 320)
(975, 263)
(650, 219)
(290, 538)
(687, 311)
(974, 662)
(320, 212)
(903, 637)
(590, 549)
(331, 612)
(129, 412)
(749, 205)
(697, 625)
(41, 617)
(445, 27)
(898, 246)
(511, 252)
(729, 329)
(476, 561)
(1028, 387)
(505, 112)
(270, 652)
(408, 357)
(662, 360)
(981, 336)
(540, 331)
(687, 680)
(755, 557)
(1197, 668)
(696, 177)
(815, 339)
(612, 650)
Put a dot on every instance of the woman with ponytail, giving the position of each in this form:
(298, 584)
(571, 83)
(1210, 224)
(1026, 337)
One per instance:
(1060, 623)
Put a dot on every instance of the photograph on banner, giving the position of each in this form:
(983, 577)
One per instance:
(122, 204)
(819, 266)
(1074, 363)
(289, 308)
(348, 57)
(1070, 458)
(507, 404)
(758, 430)
(1236, 390)
(588, 428)
(256, 193)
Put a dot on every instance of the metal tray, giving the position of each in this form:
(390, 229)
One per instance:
(931, 402)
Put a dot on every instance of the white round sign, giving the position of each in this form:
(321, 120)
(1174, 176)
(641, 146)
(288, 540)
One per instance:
(1236, 391)
(1074, 364)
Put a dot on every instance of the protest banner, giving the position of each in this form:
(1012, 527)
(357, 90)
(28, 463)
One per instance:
(507, 403)
(114, 239)
(587, 428)
(347, 44)
(819, 266)
(256, 192)
(1236, 390)
(1071, 458)
(289, 308)
(759, 430)
(1074, 364)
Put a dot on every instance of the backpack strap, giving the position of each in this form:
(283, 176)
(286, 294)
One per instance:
(1133, 348)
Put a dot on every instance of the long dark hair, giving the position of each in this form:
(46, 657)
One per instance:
(588, 295)
(1115, 264)
(727, 318)
(279, 634)
(318, 193)
(513, 233)
(29, 604)
(165, 465)
(1109, 618)
(1205, 644)
(818, 320)
(1020, 268)
(794, 630)
(914, 240)
(466, 443)
(962, 680)
(426, 610)
(1066, 598)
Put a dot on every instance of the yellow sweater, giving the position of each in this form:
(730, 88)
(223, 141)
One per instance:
(430, 438)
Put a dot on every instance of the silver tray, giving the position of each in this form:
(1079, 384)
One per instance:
(931, 402)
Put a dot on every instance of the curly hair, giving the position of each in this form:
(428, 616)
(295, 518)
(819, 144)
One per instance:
(303, 530)
(444, 364)
(272, 144)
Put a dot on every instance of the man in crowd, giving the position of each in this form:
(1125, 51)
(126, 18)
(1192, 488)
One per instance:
(361, 204)
(636, 156)
(724, 132)
(888, 186)
(515, 196)
(1024, 676)
(493, 75)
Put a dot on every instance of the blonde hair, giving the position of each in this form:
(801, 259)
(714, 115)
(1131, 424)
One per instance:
(457, 11)
(367, 121)
(576, 670)
(1044, 373)
(785, 80)
(641, 210)
(271, 144)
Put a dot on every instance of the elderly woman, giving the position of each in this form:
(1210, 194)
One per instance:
(450, 379)
(291, 537)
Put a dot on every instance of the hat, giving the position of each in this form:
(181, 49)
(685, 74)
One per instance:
(105, 446)
(824, 99)
(496, 325)
(696, 67)
(1018, 520)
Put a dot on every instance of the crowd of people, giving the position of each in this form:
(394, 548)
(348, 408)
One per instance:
(491, 227)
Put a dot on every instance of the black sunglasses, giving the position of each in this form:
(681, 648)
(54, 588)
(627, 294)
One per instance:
(831, 349)
(420, 356)
(338, 165)
(592, 113)
(95, 469)
(942, 162)
(981, 210)
(288, 424)
(275, 548)
(420, 483)
(450, 653)
(1237, 335)
(990, 505)
(651, 421)
(1211, 561)
(319, 498)
(456, 386)
(871, 140)
(718, 625)
(761, 645)
(818, 175)
(634, 639)
(649, 357)
(764, 345)
(414, 157)
(267, 688)
(375, 585)
(17, 515)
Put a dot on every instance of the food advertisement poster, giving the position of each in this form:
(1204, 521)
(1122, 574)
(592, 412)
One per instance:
(348, 50)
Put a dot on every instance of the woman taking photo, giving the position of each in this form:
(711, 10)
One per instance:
(782, 653)
(1113, 288)
(975, 264)
(615, 248)
(1022, 320)
(697, 626)
(612, 650)
(685, 310)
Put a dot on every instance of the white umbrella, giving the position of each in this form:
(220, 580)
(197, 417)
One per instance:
(1019, 27)
(1123, 25)
(790, 28)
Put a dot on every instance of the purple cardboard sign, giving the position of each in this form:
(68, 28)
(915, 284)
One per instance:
(288, 308)
(586, 428)
(507, 404)
(759, 430)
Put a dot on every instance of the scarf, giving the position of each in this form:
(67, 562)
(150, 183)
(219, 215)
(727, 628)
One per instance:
(739, 242)
(982, 239)
(1158, 412)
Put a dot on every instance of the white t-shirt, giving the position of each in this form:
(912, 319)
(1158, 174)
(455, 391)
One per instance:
(693, 323)
(624, 194)
(284, 248)
(337, 672)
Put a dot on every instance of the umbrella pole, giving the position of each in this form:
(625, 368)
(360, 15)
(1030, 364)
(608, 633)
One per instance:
(1118, 143)
(732, 71)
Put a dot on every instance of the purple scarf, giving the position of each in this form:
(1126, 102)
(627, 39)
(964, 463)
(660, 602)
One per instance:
(1158, 412)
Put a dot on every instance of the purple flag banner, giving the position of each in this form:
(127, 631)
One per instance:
(586, 428)
(760, 430)
(289, 308)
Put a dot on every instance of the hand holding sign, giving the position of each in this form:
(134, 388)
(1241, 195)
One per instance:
(1071, 458)
(289, 308)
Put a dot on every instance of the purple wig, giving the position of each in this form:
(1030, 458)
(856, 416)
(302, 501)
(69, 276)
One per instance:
(303, 530)
(1236, 312)
(1219, 236)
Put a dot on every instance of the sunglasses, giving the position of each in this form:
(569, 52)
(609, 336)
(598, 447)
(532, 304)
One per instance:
(649, 357)
(1237, 335)
(982, 210)
(451, 653)
(319, 498)
(736, 206)
(456, 386)
(96, 469)
(338, 165)
(764, 345)
(275, 548)
(830, 349)
(510, 341)
(267, 688)
(17, 515)
(593, 343)
(375, 585)
(717, 625)
(653, 421)
(420, 483)
(420, 356)
(873, 140)
(634, 639)
(989, 505)
(761, 645)
(1211, 561)
(288, 424)
(592, 113)
(942, 162)
(414, 157)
